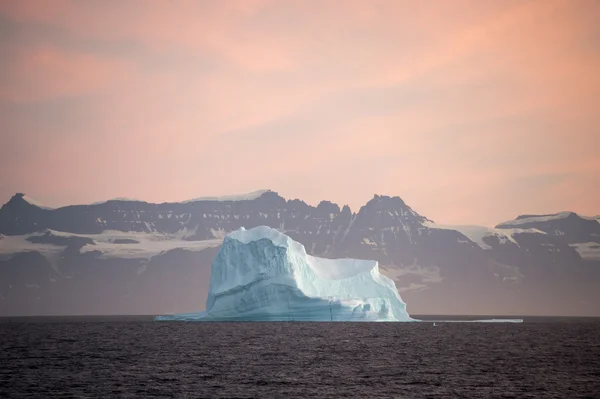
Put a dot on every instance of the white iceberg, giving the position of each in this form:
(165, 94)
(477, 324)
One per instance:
(263, 275)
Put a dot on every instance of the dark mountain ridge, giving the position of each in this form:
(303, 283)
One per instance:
(123, 256)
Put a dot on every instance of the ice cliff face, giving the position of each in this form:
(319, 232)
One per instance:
(262, 274)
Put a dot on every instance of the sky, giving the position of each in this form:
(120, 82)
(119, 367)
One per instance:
(472, 111)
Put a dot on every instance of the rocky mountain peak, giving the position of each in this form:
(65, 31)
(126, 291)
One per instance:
(328, 207)
(18, 214)
(17, 199)
(270, 197)
(391, 208)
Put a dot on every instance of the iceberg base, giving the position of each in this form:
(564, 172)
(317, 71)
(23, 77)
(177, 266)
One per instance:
(312, 309)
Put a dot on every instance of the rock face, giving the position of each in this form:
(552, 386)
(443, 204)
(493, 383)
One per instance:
(134, 257)
(263, 275)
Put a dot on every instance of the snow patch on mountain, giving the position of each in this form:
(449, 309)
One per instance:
(588, 250)
(117, 199)
(33, 202)
(109, 243)
(478, 233)
(596, 218)
(235, 197)
(535, 219)
(147, 247)
(11, 245)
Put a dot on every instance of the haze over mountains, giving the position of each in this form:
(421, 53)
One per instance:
(132, 257)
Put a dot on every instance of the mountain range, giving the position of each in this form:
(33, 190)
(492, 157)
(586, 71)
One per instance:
(127, 256)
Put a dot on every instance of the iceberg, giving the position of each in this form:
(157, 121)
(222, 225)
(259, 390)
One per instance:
(262, 274)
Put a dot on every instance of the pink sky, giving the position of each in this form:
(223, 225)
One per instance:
(472, 111)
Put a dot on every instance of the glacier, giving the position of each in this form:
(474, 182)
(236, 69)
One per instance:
(261, 274)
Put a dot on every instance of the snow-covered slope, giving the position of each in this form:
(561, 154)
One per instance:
(478, 233)
(234, 197)
(529, 219)
(580, 232)
(588, 250)
(34, 202)
(231, 197)
(262, 274)
(116, 199)
(13, 245)
(108, 244)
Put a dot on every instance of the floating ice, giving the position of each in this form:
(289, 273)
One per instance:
(478, 321)
(263, 275)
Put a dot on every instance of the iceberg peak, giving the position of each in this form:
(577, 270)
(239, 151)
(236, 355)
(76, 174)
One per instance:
(258, 233)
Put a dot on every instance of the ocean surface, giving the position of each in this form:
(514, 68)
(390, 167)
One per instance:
(111, 357)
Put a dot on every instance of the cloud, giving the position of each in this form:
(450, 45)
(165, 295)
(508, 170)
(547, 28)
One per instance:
(471, 111)
(45, 73)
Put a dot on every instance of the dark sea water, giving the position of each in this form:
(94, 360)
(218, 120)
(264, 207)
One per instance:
(136, 357)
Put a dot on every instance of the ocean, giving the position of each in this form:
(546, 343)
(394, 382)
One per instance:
(127, 357)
